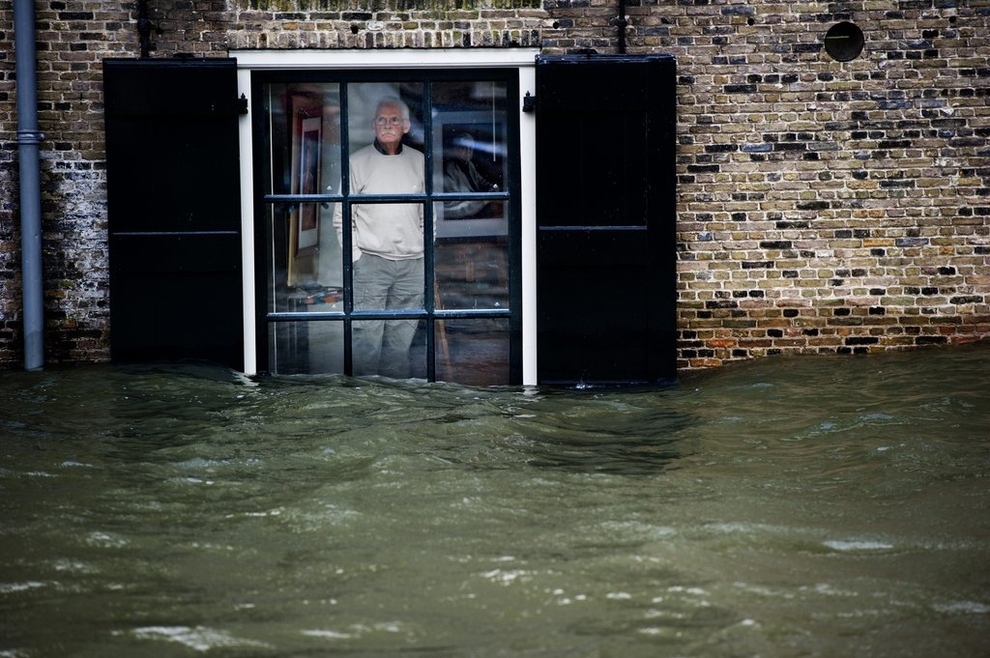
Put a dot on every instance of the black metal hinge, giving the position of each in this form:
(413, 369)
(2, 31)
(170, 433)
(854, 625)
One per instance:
(529, 103)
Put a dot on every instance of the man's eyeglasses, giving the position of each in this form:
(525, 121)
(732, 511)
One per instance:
(388, 121)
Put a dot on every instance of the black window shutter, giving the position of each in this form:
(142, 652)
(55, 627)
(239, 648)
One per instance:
(173, 200)
(606, 205)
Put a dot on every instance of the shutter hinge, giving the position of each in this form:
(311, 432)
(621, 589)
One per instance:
(529, 103)
(242, 104)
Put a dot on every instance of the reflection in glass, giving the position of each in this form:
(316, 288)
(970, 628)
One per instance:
(391, 348)
(470, 163)
(474, 352)
(472, 273)
(304, 125)
(289, 291)
(469, 138)
(306, 348)
(461, 174)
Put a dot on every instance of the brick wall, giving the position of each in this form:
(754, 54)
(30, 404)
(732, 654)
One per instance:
(72, 39)
(9, 235)
(824, 207)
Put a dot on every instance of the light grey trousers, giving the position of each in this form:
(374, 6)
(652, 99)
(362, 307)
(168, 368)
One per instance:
(381, 347)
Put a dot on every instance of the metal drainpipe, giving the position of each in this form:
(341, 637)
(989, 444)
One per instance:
(28, 139)
(622, 24)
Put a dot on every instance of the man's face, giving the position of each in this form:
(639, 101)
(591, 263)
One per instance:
(390, 126)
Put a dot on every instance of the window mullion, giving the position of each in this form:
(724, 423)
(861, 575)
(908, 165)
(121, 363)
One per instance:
(347, 264)
(428, 231)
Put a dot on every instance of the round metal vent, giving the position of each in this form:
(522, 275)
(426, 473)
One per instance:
(844, 41)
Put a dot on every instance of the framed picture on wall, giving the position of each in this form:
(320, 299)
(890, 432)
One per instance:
(309, 162)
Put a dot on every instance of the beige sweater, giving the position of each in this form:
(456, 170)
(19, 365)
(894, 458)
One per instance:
(390, 230)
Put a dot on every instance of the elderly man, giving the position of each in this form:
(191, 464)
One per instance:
(387, 243)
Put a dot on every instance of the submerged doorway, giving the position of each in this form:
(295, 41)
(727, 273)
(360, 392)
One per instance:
(444, 212)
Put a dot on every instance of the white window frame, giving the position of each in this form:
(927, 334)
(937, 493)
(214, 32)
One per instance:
(522, 59)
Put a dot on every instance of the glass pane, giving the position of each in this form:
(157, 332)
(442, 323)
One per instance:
(383, 283)
(473, 351)
(391, 348)
(300, 276)
(304, 158)
(387, 248)
(469, 142)
(311, 348)
(385, 119)
(472, 273)
(488, 218)
(304, 137)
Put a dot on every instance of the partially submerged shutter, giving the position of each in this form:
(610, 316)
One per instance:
(174, 210)
(606, 205)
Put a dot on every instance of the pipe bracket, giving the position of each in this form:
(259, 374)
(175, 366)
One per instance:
(29, 137)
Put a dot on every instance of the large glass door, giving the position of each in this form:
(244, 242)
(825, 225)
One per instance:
(388, 220)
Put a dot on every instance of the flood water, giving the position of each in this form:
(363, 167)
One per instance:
(790, 507)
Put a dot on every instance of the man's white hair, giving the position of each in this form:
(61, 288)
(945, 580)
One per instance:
(393, 101)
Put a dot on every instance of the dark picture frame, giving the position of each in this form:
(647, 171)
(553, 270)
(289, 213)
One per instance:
(307, 181)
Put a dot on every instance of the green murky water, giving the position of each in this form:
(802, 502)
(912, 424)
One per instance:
(807, 507)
